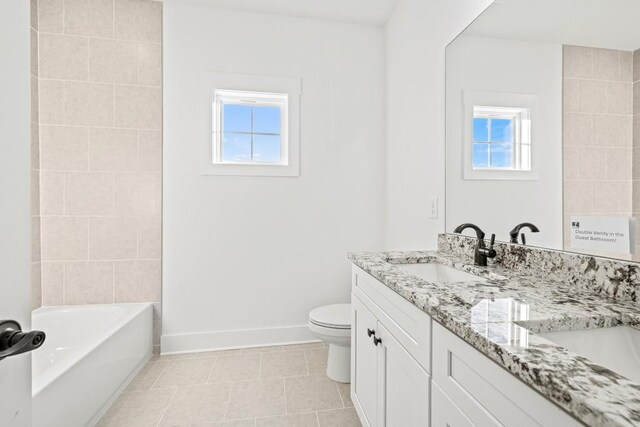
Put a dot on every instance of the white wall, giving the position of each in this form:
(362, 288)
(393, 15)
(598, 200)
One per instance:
(415, 38)
(508, 66)
(247, 253)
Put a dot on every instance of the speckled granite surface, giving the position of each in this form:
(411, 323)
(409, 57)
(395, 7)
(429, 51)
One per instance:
(500, 313)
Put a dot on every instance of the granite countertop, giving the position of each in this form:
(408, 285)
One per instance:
(500, 317)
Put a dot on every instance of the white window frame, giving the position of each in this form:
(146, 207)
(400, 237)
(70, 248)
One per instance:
(521, 161)
(507, 104)
(226, 97)
(261, 87)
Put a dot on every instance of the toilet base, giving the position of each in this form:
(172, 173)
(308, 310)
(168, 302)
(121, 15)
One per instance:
(339, 363)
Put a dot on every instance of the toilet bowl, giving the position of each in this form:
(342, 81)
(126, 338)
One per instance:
(332, 324)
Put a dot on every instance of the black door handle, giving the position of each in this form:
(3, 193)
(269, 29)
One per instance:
(370, 332)
(377, 340)
(13, 341)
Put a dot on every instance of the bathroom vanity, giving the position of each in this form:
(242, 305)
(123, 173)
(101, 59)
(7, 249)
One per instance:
(438, 341)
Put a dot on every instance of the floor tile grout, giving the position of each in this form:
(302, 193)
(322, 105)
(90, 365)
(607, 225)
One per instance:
(174, 379)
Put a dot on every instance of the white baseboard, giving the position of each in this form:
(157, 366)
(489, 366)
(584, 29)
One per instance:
(242, 338)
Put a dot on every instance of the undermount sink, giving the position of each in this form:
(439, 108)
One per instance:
(617, 348)
(435, 272)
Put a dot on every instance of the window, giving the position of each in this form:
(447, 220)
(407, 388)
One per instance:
(250, 128)
(250, 124)
(497, 141)
(501, 139)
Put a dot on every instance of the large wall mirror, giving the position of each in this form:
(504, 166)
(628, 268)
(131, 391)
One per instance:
(543, 124)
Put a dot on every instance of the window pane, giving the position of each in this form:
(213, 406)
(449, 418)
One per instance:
(480, 156)
(266, 119)
(501, 155)
(237, 118)
(236, 147)
(480, 130)
(266, 149)
(501, 130)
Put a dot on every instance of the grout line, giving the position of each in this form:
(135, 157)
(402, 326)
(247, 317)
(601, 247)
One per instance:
(164, 411)
(226, 409)
(317, 419)
(49, 33)
(344, 405)
(306, 361)
(284, 390)
(213, 366)
(99, 82)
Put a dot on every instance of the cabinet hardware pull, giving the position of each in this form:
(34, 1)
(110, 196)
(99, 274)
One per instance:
(370, 332)
(376, 340)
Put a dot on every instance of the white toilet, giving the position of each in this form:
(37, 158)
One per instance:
(332, 324)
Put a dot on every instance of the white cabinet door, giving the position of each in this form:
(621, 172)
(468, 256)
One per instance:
(405, 385)
(15, 263)
(364, 362)
(444, 413)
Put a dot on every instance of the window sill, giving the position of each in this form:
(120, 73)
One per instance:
(499, 175)
(222, 169)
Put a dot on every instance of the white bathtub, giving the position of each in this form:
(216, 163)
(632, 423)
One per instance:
(90, 354)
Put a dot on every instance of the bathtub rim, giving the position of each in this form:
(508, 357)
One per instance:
(134, 309)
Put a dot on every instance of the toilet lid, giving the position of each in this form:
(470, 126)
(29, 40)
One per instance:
(337, 316)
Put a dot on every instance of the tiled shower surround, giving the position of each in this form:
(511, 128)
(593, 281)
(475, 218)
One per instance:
(598, 141)
(99, 108)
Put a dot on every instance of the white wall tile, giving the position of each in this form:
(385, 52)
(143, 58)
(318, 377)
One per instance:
(65, 238)
(137, 194)
(150, 151)
(64, 148)
(606, 64)
(88, 104)
(612, 131)
(35, 192)
(577, 129)
(578, 197)
(619, 161)
(50, 102)
(52, 283)
(137, 281)
(63, 57)
(88, 193)
(52, 193)
(578, 62)
(619, 98)
(88, 17)
(88, 282)
(592, 96)
(50, 16)
(36, 239)
(149, 237)
(149, 64)
(113, 149)
(138, 20)
(33, 39)
(113, 238)
(36, 285)
(138, 107)
(113, 61)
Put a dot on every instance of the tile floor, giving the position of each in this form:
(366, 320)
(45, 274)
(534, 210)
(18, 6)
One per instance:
(267, 386)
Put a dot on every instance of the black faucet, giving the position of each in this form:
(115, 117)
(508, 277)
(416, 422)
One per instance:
(516, 230)
(482, 252)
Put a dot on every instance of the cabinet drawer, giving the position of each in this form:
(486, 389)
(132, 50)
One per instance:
(444, 412)
(407, 323)
(486, 393)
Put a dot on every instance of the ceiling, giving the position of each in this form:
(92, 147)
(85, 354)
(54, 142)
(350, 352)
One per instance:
(613, 24)
(357, 11)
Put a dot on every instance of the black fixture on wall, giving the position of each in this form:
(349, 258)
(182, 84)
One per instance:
(516, 230)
